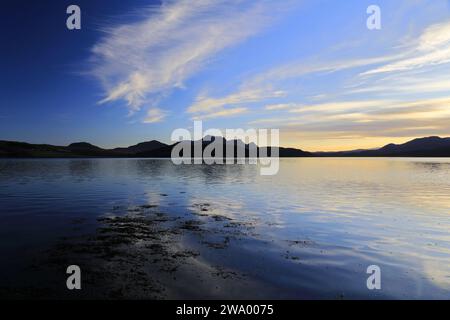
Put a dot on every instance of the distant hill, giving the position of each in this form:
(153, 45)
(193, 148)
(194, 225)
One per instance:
(86, 149)
(422, 147)
(22, 149)
(166, 150)
(430, 145)
(83, 146)
(150, 149)
(141, 147)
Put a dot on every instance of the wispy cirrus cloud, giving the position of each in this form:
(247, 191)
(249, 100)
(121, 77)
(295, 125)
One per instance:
(280, 106)
(155, 115)
(431, 49)
(143, 61)
(206, 107)
(221, 113)
(396, 94)
(340, 106)
(262, 87)
(405, 84)
(205, 103)
(297, 69)
(366, 118)
(345, 92)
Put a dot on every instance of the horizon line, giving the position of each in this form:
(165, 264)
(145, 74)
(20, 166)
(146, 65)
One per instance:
(168, 144)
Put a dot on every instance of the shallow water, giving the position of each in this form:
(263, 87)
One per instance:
(311, 231)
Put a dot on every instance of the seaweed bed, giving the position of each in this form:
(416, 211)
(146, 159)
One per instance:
(145, 252)
(137, 253)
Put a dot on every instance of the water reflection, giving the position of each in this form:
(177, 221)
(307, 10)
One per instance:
(310, 231)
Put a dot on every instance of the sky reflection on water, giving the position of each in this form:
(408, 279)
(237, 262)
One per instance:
(316, 226)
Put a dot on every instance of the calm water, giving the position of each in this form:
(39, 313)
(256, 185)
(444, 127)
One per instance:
(309, 232)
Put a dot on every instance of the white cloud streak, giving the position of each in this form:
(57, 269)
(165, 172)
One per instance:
(367, 118)
(155, 115)
(142, 62)
(280, 106)
(431, 49)
(298, 69)
(221, 114)
(204, 103)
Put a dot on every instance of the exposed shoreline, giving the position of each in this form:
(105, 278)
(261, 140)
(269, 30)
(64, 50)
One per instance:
(138, 253)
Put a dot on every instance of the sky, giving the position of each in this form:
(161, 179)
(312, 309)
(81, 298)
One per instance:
(139, 69)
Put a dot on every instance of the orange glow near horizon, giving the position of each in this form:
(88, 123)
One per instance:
(339, 144)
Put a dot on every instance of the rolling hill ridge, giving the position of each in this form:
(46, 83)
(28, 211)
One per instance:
(421, 147)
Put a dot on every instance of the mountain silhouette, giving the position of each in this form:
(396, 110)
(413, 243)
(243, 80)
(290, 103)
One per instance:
(421, 147)
(83, 147)
(166, 150)
(141, 147)
(417, 145)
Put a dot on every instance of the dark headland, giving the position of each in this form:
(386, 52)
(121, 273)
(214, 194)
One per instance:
(421, 147)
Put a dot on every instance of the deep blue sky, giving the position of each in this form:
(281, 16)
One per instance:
(137, 70)
(44, 96)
